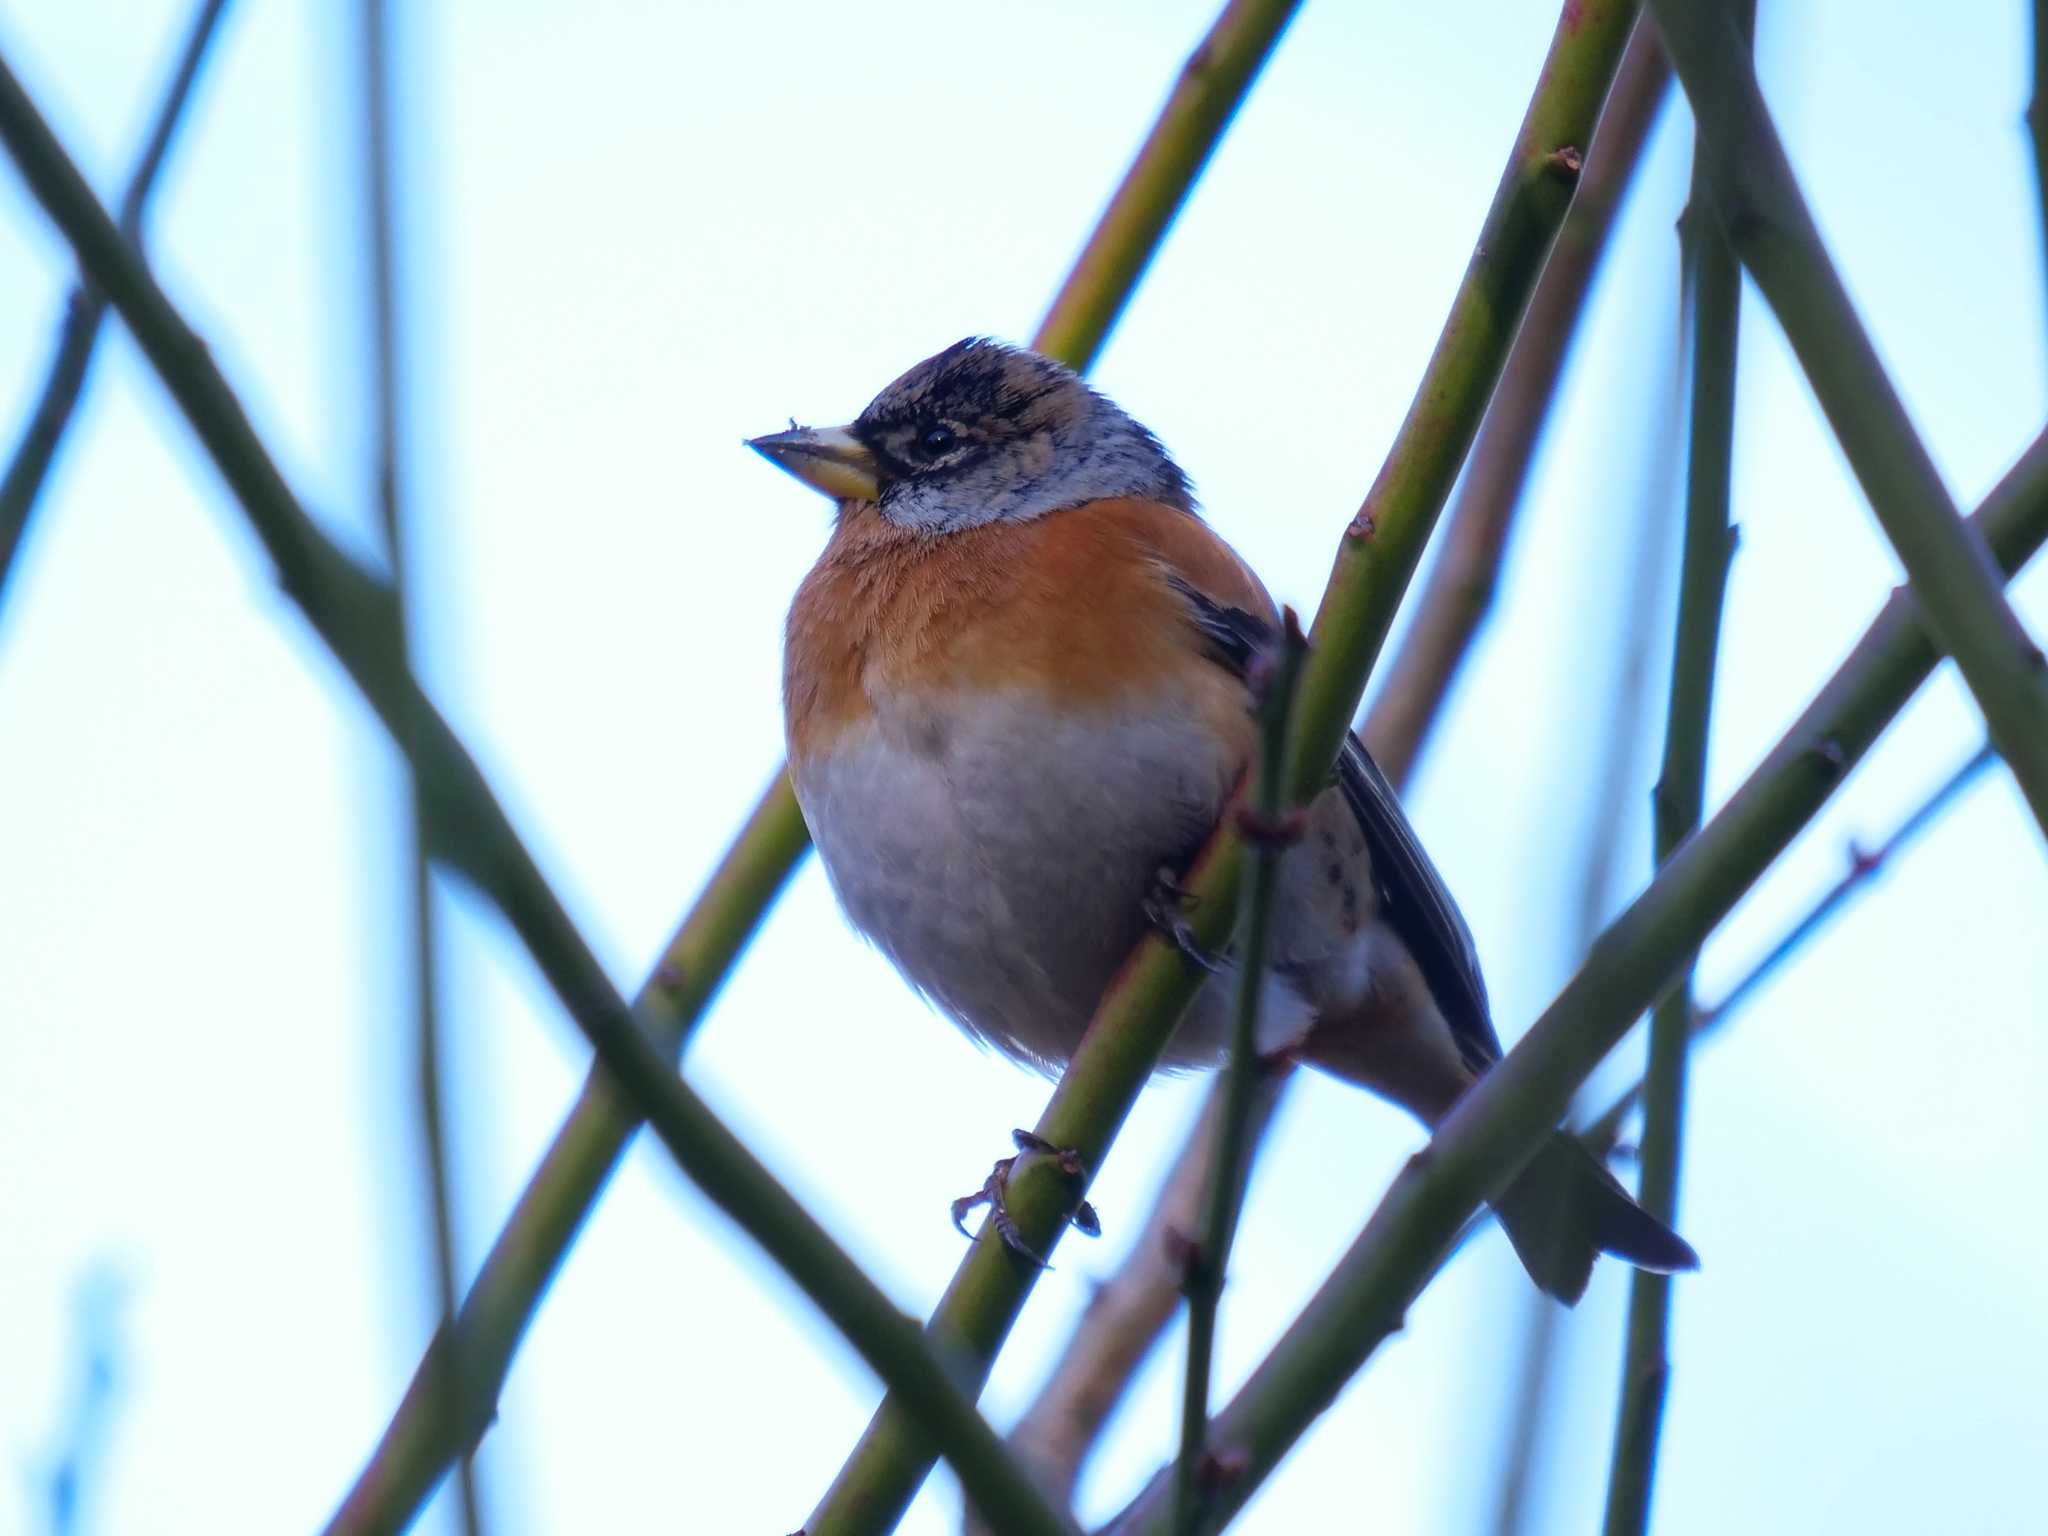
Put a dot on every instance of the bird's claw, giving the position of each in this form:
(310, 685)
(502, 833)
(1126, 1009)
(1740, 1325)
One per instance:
(996, 1186)
(1163, 908)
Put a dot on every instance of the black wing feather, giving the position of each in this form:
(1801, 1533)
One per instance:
(1413, 899)
(1416, 905)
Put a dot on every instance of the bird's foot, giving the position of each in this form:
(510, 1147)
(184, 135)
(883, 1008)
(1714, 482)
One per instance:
(995, 1188)
(1163, 908)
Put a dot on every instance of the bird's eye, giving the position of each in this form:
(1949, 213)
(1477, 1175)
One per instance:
(936, 440)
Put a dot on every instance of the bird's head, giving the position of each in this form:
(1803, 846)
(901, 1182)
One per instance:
(981, 433)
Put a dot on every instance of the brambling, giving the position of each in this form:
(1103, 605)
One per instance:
(1015, 693)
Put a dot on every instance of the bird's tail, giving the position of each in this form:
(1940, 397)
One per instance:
(1565, 1208)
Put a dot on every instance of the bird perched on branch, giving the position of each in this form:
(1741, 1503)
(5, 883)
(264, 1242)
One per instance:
(1015, 693)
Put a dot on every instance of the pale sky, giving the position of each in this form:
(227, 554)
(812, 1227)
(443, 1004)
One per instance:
(637, 234)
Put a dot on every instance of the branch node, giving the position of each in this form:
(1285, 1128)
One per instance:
(1219, 1468)
(1565, 161)
(1263, 831)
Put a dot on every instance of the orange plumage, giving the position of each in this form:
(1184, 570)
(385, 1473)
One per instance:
(1074, 606)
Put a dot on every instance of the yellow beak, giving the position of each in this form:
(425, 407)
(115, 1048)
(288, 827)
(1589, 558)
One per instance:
(828, 459)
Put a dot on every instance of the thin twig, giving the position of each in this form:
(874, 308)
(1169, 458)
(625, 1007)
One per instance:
(1767, 224)
(1864, 865)
(1206, 1259)
(414, 1449)
(79, 333)
(1487, 1138)
(2037, 115)
(450, 1390)
(1378, 553)
(1619, 698)
(1713, 287)
(354, 614)
(1458, 592)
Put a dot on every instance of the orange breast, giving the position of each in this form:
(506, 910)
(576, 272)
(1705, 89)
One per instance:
(1074, 606)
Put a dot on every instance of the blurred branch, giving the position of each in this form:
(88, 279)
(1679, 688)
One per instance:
(450, 1390)
(1459, 591)
(99, 1304)
(1206, 1257)
(1213, 83)
(80, 331)
(1713, 285)
(1485, 1140)
(1132, 1308)
(419, 1442)
(354, 613)
(1541, 1332)
(2037, 114)
(415, 1448)
(1769, 228)
(1864, 866)
(1378, 553)
(1618, 702)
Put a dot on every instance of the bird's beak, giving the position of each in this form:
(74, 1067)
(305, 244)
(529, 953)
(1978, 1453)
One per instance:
(828, 459)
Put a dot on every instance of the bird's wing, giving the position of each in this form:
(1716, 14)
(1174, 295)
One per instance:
(1416, 904)
(1413, 899)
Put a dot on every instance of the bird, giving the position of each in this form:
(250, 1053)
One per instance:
(1016, 700)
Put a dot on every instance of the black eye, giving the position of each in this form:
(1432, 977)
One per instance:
(936, 440)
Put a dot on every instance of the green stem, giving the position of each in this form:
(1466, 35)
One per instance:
(355, 615)
(1213, 84)
(1386, 538)
(1458, 591)
(1771, 231)
(1138, 1014)
(1864, 866)
(79, 334)
(1494, 1129)
(1713, 286)
(1207, 1258)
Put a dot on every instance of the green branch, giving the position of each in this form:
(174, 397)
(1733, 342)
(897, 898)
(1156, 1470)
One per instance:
(1493, 1130)
(1140, 1011)
(1213, 84)
(79, 334)
(1865, 864)
(1713, 285)
(1771, 231)
(1204, 1261)
(1458, 591)
(354, 613)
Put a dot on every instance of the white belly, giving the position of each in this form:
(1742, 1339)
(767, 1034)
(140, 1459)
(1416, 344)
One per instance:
(1000, 854)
